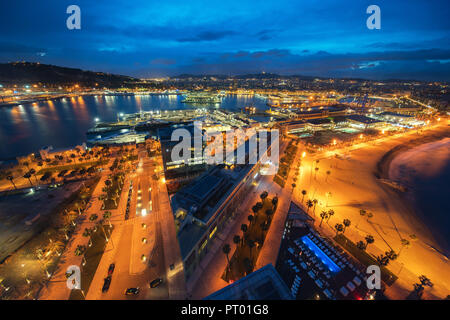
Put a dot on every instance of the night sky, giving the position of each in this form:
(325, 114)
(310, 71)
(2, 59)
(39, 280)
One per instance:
(148, 38)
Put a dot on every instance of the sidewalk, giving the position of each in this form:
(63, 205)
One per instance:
(56, 288)
(214, 263)
(172, 254)
(272, 242)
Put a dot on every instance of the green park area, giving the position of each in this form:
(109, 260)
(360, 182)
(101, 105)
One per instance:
(249, 244)
(285, 163)
(91, 257)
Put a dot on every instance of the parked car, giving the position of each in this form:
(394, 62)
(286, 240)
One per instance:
(111, 269)
(132, 291)
(155, 283)
(106, 284)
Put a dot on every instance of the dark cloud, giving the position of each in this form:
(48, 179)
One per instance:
(163, 61)
(144, 37)
(421, 64)
(15, 48)
(208, 36)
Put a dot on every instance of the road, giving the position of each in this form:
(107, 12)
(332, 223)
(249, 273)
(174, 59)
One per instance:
(136, 246)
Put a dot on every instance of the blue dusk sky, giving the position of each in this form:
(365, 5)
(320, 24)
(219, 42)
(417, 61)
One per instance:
(147, 38)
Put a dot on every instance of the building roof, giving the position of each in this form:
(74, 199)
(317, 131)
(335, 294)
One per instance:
(262, 284)
(319, 121)
(393, 114)
(362, 119)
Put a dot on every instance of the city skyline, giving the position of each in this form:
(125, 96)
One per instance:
(153, 39)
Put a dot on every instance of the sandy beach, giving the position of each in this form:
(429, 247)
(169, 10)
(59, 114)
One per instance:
(354, 183)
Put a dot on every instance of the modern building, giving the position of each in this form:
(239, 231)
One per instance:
(399, 119)
(262, 284)
(322, 111)
(363, 122)
(203, 208)
(174, 169)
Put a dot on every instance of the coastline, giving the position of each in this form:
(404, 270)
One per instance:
(388, 167)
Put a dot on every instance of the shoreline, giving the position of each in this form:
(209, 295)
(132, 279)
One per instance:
(383, 165)
(408, 198)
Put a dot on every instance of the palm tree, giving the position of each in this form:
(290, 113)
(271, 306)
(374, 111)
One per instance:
(323, 215)
(107, 216)
(259, 205)
(383, 260)
(269, 213)
(11, 178)
(33, 172)
(304, 194)
(293, 186)
(244, 229)
(419, 287)
(425, 281)
(316, 169)
(226, 249)
(362, 212)
(28, 176)
(114, 198)
(309, 204)
(328, 173)
(391, 255)
(263, 196)
(361, 245)
(255, 209)
(274, 201)
(87, 232)
(330, 214)
(369, 239)
(405, 244)
(250, 219)
(339, 228)
(346, 223)
(315, 201)
(237, 239)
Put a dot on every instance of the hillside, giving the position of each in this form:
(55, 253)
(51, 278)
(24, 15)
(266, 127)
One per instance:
(28, 72)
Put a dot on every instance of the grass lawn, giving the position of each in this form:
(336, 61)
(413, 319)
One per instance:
(93, 256)
(365, 258)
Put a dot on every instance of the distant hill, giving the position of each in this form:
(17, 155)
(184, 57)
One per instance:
(259, 76)
(29, 72)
